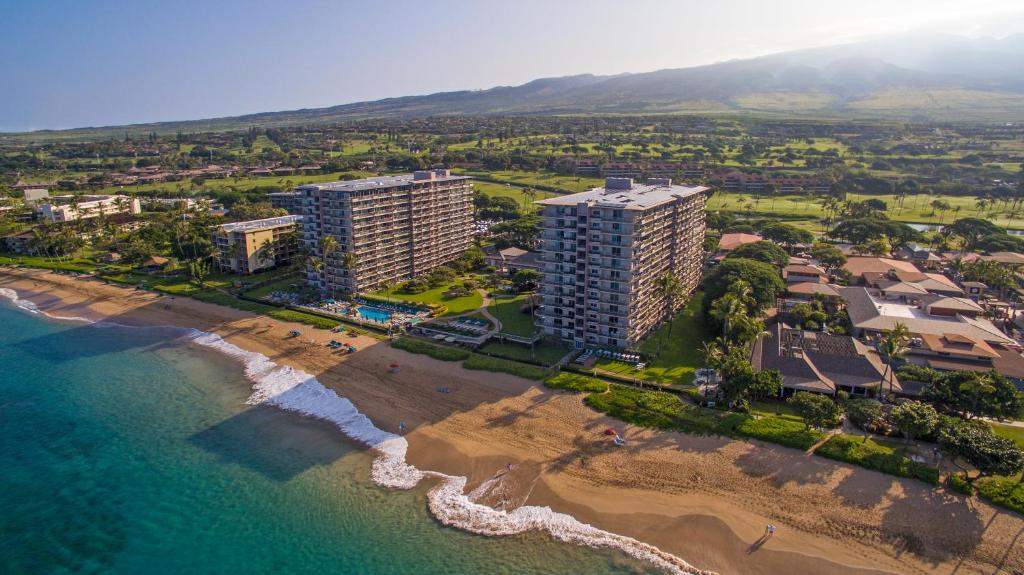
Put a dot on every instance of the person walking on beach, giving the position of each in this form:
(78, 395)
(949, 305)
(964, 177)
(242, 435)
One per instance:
(401, 425)
(771, 530)
(510, 467)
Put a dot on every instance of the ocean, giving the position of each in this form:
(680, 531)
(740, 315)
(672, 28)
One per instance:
(134, 450)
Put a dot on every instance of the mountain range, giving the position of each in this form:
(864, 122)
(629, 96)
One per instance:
(909, 77)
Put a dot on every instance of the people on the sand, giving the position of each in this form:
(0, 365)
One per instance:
(510, 467)
(770, 529)
(401, 426)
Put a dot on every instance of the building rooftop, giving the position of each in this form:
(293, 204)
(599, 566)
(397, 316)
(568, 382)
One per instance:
(812, 288)
(622, 193)
(734, 240)
(264, 224)
(814, 361)
(858, 266)
(867, 312)
(384, 181)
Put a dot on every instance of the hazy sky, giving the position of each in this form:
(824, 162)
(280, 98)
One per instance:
(80, 63)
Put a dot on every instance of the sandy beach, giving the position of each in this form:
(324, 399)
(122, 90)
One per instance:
(704, 499)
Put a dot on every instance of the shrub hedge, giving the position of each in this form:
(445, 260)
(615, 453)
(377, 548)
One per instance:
(1005, 492)
(443, 353)
(872, 455)
(485, 363)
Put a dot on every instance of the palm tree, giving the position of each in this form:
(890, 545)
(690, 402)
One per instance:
(328, 245)
(736, 302)
(349, 259)
(529, 195)
(267, 252)
(669, 288)
(891, 348)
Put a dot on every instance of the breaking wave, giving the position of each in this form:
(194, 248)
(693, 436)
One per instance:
(294, 390)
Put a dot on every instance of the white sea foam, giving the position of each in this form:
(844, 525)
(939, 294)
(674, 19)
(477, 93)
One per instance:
(298, 391)
(33, 308)
(295, 390)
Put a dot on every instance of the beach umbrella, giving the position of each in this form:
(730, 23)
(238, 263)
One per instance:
(394, 367)
(610, 431)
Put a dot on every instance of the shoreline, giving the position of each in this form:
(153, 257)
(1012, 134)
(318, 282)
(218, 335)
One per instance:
(705, 500)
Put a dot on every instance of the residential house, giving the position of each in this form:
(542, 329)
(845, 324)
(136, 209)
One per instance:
(795, 273)
(731, 241)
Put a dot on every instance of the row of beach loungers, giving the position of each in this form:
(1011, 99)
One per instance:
(471, 324)
(607, 354)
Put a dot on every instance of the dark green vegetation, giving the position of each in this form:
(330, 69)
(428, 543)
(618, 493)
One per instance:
(443, 353)
(873, 455)
(667, 411)
(471, 360)
(485, 363)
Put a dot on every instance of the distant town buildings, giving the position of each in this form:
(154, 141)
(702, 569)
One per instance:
(387, 229)
(72, 208)
(35, 195)
(603, 252)
(247, 247)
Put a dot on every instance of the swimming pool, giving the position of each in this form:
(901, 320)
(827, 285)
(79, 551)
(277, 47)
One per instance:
(373, 314)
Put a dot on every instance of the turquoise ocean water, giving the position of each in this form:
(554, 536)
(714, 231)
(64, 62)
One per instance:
(123, 450)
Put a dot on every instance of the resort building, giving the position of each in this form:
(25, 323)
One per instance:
(387, 228)
(874, 314)
(247, 247)
(289, 201)
(603, 251)
(74, 208)
(20, 242)
(820, 362)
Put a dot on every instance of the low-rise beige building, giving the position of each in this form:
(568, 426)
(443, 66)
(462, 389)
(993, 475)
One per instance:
(73, 208)
(247, 247)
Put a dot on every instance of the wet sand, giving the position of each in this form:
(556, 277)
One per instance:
(705, 499)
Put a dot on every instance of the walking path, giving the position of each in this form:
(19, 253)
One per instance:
(486, 313)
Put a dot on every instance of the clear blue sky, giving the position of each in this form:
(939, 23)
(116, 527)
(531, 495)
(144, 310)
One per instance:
(79, 63)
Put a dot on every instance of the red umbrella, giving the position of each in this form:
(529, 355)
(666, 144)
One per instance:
(610, 431)
(394, 365)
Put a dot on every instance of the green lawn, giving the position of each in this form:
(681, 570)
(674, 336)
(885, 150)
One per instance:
(543, 352)
(240, 184)
(493, 190)
(80, 262)
(680, 353)
(774, 409)
(513, 320)
(570, 184)
(1009, 432)
(456, 306)
(283, 284)
(915, 209)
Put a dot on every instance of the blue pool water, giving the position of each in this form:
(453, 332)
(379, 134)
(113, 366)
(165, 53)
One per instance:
(374, 314)
(125, 450)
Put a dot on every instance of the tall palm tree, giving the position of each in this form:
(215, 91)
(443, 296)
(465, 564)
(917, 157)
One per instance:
(891, 348)
(737, 301)
(669, 288)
